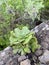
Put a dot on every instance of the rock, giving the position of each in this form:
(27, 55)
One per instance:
(38, 52)
(7, 57)
(42, 64)
(21, 58)
(42, 34)
(45, 57)
(25, 62)
(47, 63)
(35, 64)
(34, 58)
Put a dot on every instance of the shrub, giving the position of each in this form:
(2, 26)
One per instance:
(32, 7)
(23, 41)
(10, 10)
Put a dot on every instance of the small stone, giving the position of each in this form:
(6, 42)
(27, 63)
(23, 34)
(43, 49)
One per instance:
(38, 52)
(45, 57)
(21, 58)
(25, 62)
(44, 45)
(42, 64)
(34, 58)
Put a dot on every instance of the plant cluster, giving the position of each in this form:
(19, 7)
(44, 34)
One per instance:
(23, 41)
(33, 8)
(9, 9)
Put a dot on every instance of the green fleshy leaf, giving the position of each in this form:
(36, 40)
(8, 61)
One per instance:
(27, 50)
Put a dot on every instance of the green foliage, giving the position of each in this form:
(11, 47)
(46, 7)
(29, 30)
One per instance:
(10, 10)
(45, 10)
(33, 8)
(23, 41)
(4, 41)
(46, 3)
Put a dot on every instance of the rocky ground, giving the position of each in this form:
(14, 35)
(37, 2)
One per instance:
(40, 57)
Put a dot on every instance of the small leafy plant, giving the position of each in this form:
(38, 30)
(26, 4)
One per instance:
(23, 41)
(33, 8)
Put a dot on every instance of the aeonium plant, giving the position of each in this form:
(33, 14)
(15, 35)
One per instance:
(23, 41)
